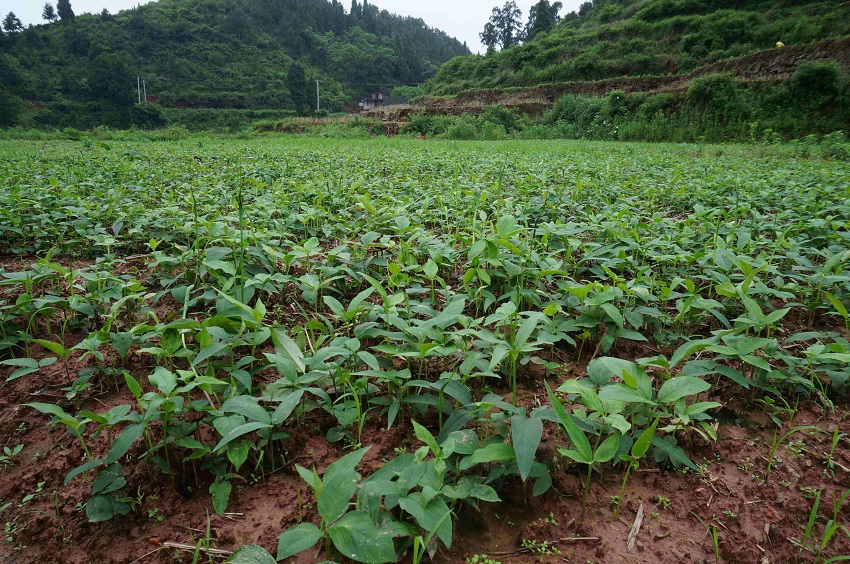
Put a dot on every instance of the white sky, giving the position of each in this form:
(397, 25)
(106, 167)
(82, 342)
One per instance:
(463, 19)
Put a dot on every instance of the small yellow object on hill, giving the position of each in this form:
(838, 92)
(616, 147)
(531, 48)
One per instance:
(779, 45)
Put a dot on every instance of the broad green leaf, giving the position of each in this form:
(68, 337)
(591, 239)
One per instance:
(542, 485)
(676, 454)
(339, 488)
(525, 437)
(733, 375)
(122, 343)
(701, 407)
(430, 269)
(238, 432)
(430, 514)
(589, 397)
(356, 536)
(623, 393)
(526, 329)
(426, 437)
(209, 352)
(313, 480)
(477, 248)
(297, 539)
(100, 508)
(489, 453)
(836, 303)
(689, 349)
(748, 345)
(84, 468)
(630, 335)
(55, 348)
(506, 226)
(247, 406)
(220, 492)
(575, 455)
(286, 407)
(614, 313)
(122, 444)
(334, 305)
(133, 385)
(377, 286)
(607, 449)
(359, 298)
(222, 266)
(164, 380)
(775, 316)
(346, 463)
(237, 453)
(601, 370)
(577, 437)
(644, 440)
(50, 409)
(757, 361)
(679, 387)
(484, 493)
(250, 554)
(465, 441)
(284, 345)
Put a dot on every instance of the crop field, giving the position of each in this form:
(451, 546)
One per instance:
(406, 350)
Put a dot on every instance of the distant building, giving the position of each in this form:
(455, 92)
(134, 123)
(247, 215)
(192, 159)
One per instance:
(379, 100)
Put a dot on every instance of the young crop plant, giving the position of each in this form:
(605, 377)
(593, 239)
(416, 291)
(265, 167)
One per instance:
(197, 310)
(584, 453)
(406, 505)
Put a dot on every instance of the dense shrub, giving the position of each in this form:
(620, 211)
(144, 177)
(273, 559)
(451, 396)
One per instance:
(493, 132)
(715, 96)
(508, 119)
(580, 110)
(10, 108)
(148, 116)
(615, 104)
(815, 83)
(462, 131)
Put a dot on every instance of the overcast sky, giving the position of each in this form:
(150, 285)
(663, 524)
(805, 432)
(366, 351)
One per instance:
(463, 19)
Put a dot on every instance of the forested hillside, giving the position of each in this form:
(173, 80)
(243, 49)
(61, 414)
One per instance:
(235, 54)
(615, 38)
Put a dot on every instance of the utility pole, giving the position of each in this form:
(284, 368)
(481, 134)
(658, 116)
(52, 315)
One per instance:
(145, 90)
(318, 103)
(139, 88)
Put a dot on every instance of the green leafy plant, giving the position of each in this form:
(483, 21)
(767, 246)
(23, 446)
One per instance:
(583, 453)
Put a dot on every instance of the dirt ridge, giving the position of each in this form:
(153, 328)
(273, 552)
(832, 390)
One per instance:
(771, 65)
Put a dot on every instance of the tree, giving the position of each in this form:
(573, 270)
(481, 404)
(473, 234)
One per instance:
(298, 88)
(63, 8)
(111, 79)
(541, 17)
(489, 37)
(505, 25)
(10, 107)
(48, 13)
(12, 24)
(237, 23)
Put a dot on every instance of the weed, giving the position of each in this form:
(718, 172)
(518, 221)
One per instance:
(544, 547)
(810, 493)
(6, 459)
(481, 559)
